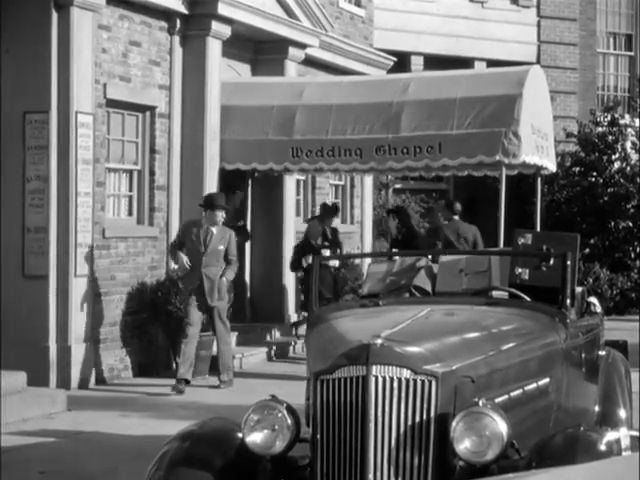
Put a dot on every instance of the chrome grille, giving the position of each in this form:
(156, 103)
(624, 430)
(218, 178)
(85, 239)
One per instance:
(373, 423)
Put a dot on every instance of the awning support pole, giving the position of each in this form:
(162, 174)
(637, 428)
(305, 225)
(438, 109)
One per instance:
(388, 192)
(503, 199)
(538, 200)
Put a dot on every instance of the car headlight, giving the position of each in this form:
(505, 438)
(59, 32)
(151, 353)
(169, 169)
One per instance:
(270, 427)
(479, 434)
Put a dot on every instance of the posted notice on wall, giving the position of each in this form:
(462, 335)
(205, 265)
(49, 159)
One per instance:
(36, 194)
(84, 192)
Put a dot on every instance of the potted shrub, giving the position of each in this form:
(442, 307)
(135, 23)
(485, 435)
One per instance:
(169, 312)
(141, 337)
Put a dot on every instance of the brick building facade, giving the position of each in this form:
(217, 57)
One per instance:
(149, 73)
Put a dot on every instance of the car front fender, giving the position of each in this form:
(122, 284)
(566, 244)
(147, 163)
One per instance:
(614, 391)
(214, 448)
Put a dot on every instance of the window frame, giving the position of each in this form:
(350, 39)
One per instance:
(346, 183)
(308, 194)
(615, 26)
(353, 6)
(141, 214)
(142, 189)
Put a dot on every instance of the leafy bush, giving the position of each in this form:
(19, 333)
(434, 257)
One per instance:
(618, 292)
(595, 193)
(152, 326)
(168, 310)
(415, 202)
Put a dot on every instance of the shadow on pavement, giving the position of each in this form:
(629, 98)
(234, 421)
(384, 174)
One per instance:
(271, 376)
(79, 455)
(165, 408)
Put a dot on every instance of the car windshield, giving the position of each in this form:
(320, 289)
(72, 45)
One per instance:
(498, 274)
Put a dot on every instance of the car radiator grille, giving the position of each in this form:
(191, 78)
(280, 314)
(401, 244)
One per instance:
(373, 423)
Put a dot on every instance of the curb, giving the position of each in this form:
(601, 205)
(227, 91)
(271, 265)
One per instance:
(622, 318)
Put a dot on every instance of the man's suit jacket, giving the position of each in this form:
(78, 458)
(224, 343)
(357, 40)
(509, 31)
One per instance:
(209, 263)
(464, 236)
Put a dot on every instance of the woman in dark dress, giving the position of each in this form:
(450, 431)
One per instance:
(320, 238)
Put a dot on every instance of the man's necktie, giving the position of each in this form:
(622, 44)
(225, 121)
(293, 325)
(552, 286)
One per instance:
(206, 238)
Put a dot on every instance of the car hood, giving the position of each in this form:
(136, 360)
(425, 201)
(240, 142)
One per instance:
(431, 338)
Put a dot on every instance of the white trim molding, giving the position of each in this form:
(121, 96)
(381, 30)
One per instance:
(309, 12)
(344, 54)
(90, 5)
(176, 6)
(269, 22)
(125, 93)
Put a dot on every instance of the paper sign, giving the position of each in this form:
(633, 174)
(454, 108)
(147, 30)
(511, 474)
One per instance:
(84, 191)
(36, 194)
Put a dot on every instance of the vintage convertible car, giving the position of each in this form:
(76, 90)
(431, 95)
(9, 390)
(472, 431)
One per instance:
(443, 365)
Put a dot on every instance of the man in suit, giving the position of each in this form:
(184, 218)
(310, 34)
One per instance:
(206, 254)
(463, 235)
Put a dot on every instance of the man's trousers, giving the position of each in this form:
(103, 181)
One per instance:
(197, 310)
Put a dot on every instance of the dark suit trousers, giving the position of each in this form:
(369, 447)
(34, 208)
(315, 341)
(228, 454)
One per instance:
(197, 310)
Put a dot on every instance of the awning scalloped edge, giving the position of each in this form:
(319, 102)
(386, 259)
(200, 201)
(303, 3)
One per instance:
(477, 166)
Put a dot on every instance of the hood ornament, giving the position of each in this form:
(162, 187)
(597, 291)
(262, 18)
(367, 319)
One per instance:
(377, 341)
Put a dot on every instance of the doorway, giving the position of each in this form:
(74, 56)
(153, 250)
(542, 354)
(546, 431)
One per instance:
(235, 185)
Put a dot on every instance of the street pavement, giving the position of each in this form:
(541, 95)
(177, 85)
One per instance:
(113, 432)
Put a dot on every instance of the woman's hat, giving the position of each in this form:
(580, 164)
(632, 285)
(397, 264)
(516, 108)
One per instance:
(214, 201)
(329, 211)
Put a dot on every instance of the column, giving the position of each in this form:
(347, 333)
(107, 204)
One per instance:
(175, 135)
(202, 43)
(282, 59)
(76, 93)
(366, 207)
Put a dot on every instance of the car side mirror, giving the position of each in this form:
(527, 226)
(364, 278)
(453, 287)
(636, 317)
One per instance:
(592, 306)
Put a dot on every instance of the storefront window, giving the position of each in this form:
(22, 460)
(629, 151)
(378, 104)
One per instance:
(305, 187)
(341, 192)
(127, 149)
(617, 30)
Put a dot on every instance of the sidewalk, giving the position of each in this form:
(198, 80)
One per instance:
(623, 318)
(113, 432)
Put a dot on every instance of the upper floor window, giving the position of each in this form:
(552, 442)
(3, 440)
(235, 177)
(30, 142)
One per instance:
(127, 165)
(354, 6)
(616, 46)
(341, 192)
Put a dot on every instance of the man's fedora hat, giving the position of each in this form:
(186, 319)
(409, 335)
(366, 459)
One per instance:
(214, 201)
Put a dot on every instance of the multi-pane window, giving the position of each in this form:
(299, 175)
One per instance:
(617, 30)
(305, 186)
(341, 192)
(355, 3)
(127, 149)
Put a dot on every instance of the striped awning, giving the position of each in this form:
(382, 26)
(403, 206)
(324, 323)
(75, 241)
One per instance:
(456, 122)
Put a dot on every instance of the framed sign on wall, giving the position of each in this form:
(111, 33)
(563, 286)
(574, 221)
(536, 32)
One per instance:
(84, 193)
(35, 246)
